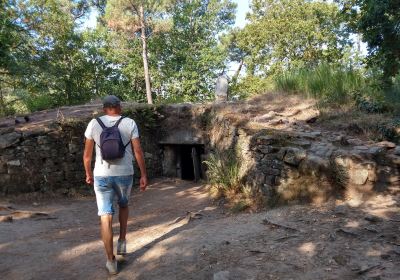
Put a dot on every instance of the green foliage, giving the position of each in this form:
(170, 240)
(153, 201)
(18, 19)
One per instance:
(369, 105)
(189, 55)
(331, 84)
(287, 34)
(389, 131)
(40, 102)
(378, 22)
(223, 171)
(250, 86)
(145, 117)
(47, 59)
(392, 95)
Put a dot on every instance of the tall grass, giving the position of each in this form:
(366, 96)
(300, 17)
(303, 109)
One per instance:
(329, 83)
(223, 171)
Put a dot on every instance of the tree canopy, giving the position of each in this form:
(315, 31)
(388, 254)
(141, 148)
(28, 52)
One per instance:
(173, 50)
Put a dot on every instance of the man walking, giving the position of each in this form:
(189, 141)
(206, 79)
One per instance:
(117, 140)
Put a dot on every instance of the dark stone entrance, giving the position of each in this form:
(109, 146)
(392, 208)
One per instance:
(183, 161)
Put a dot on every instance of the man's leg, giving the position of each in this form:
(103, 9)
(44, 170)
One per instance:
(107, 235)
(123, 221)
(123, 186)
(104, 197)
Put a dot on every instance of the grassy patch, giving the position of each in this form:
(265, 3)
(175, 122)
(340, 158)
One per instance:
(223, 171)
(374, 126)
(326, 82)
(225, 182)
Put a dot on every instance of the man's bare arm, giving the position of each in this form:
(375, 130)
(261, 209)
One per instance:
(137, 149)
(87, 160)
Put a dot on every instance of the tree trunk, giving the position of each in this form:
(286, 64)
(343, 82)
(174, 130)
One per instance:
(145, 61)
(237, 73)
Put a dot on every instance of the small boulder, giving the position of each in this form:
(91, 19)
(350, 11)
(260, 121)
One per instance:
(386, 144)
(294, 156)
(397, 151)
(358, 176)
(221, 275)
(9, 139)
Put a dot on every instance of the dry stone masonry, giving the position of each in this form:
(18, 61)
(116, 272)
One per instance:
(50, 158)
(282, 165)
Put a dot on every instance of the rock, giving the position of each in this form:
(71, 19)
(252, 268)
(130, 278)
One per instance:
(3, 168)
(354, 142)
(221, 275)
(16, 162)
(41, 140)
(358, 176)
(397, 151)
(267, 190)
(281, 154)
(301, 143)
(4, 179)
(6, 219)
(267, 149)
(294, 156)
(361, 148)
(34, 132)
(148, 155)
(340, 210)
(270, 171)
(267, 139)
(9, 139)
(311, 120)
(323, 151)
(340, 259)
(387, 174)
(6, 130)
(373, 219)
(270, 180)
(343, 141)
(73, 148)
(376, 150)
(258, 180)
(315, 134)
(386, 144)
(265, 117)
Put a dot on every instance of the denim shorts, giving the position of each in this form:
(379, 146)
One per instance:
(107, 188)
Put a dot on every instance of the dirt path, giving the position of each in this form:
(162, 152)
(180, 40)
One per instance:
(295, 242)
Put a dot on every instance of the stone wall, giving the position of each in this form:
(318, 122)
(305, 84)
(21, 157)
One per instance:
(287, 165)
(49, 158)
(281, 165)
(307, 165)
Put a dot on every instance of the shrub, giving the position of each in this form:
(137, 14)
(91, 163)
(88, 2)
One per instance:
(249, 86)
(39, 102)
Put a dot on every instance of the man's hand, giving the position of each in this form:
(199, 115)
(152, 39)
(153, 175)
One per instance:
(143, 183)
(87, 160)
(89, 179)
(137, 149)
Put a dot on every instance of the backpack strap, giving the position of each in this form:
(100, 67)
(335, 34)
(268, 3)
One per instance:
(101, 123)
(119, 121)
(127, 144)
(117, 124)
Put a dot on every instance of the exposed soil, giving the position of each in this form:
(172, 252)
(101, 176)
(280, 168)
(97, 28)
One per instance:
(176, 232)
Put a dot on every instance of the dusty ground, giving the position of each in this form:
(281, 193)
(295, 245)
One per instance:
(165, 242)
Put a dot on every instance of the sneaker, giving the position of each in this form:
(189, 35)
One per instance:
(121, 247)
(112, 267)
